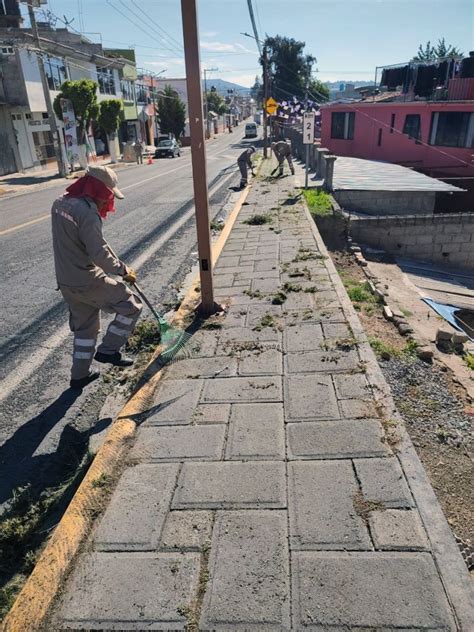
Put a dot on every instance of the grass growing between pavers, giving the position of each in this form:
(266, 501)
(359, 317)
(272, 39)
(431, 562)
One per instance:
(258, 219)
(319, 202)
(469, 361)
(385, 351)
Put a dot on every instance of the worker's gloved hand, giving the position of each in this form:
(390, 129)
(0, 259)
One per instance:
(130, 276)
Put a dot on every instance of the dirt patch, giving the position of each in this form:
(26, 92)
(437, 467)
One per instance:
(432, 405)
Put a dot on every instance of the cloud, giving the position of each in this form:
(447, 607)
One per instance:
(219, 47)
(209, 33)
(246, 80)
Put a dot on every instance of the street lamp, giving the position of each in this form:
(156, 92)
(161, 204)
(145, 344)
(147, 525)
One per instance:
(206, 109)
(265, 90)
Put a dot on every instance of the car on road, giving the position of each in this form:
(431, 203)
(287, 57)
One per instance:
(167, 148)
(251, 130)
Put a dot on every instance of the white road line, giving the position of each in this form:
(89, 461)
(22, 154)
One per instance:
(36, 359)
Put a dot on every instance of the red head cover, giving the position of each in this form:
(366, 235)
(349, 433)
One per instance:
(87, 186)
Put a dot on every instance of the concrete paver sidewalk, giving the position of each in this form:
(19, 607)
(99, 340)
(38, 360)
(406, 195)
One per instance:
(267, 491)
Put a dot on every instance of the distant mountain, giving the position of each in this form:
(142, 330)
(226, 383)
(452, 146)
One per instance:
(222, 86)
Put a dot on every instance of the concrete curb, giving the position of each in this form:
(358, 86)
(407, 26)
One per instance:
(448, 559)
(33, 604)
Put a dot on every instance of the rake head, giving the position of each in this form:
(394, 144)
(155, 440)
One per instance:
(174, 342)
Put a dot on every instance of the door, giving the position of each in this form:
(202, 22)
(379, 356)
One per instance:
(22, 140)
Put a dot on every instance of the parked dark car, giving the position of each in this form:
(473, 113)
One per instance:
(167, 149)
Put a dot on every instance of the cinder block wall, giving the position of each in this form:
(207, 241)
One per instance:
(387, 202)
(446, 238)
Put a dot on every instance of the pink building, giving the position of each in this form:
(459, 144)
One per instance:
(436, 137)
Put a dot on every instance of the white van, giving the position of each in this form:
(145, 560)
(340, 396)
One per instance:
(251, 130)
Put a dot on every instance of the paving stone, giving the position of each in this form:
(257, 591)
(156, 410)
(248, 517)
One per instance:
(382, 481)
(352, 386)
(187, 530)
(362, 591)
(224, 280)
(211, 414)
(228, 261)
(337, 330)
(310, 397)
(175, 402)
(261, 362)
(244, 334)
(203, 344)
(324, 361)
(264, 265)
(231, 485)
(256, 431)
(202, 367)
(313, 314)
(248, 587)
(233, 291)
(322, 514)
(336, 439)
(130, 591)
(235, 316)
(266, 285)
(165, 443)
(256, 312)
(357, 408)
(233, 269)
(144, 490)
(303, 337)
(298, 300)
(243, 389)
(395, 529)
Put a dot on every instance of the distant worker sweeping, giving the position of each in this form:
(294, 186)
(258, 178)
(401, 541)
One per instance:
(282, 150)
(245, 163)
(83, 262)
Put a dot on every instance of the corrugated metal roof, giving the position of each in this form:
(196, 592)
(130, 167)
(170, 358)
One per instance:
(356, 174)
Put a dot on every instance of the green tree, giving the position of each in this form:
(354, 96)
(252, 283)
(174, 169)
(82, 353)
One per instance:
(318, 91)
(110, 115)
(83, 95)
(289, 68)
(429, 53)
(215, 103)
(171, 112)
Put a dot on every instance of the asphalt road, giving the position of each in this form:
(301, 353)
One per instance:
(43, 425)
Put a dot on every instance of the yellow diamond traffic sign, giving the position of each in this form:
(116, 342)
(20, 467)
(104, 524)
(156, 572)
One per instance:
(271, 106)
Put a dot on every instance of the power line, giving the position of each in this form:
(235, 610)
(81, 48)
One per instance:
(254, 26)
(150, 28)
(170, 38)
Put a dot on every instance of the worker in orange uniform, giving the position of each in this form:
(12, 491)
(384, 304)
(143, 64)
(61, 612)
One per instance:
(85, 266)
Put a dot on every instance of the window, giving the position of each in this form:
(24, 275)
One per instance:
(392, 124)
(142, 94)
(412, 126)
(55, 72)
(342, 125)
(105, 79)
(128, 92)
(379, 140)
(7, 50)
(452, 129)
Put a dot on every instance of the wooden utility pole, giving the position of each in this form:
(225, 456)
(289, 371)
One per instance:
(198, 152)
(55, 133)
(265, 98)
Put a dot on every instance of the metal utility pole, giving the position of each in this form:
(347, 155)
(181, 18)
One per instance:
(198, 152)
(265, 99)
(62, 168)
(206, 106)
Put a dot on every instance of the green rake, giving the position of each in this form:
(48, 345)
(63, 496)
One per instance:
(172, 339)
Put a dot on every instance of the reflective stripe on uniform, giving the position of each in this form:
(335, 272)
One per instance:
(123, 319)
(84, 342)
(117, 331)
(67, 216)
(82, 355)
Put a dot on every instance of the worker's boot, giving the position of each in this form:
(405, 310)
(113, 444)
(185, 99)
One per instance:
(80, 383)
(113, 358)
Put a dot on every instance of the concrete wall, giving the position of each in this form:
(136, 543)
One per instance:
(387, 202)
(447, 238)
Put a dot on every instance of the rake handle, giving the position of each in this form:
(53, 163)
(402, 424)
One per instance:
(140, 293)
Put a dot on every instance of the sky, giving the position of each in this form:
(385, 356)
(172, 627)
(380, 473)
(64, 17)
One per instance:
(349, 38)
